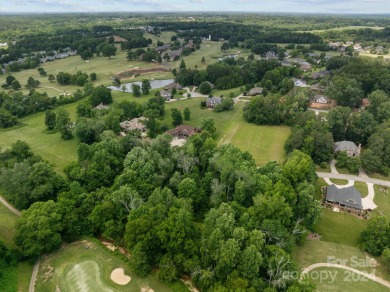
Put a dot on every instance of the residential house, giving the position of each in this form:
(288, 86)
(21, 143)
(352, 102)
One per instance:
(134, 124)
(173, 85)
(162, 48)
(321, 99)
(270, 55)
(317, 88)
(211, 102)
(347, 146)
(183, 132)
(174, 55)
(299, 82)
(166, 94)
(365, 103)
(305, 66)
(346, 197)
(255, 91)
(318, 75)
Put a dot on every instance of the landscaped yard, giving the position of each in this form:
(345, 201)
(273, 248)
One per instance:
(87, 266)
(382, 200)
(340, 228)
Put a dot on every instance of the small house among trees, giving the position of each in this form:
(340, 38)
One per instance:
(166, 94)
(172, 86)
(347, 146)
(183, 132)
(211, 102)
(321, 99)
(256, 91)
(134, 124)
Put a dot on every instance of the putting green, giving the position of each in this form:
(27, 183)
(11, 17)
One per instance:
(85, 277)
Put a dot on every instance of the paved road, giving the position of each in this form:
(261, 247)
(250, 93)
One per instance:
(328, 265)
(355, 178)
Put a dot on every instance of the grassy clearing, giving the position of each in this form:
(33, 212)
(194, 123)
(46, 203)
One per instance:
(265, 143)
(339, 181)
(312, 252)
(319, 184)
(343, 280)
(382, 200)
(7, 226)
(340, 228)
(24, 275)
(50, 146)
(362, 188)
(346, 171)
(95, 265)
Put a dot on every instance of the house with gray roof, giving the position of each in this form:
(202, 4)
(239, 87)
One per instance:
(166, 94)
(347, 146)
(346, 197)
(255, 91)
(211, 102)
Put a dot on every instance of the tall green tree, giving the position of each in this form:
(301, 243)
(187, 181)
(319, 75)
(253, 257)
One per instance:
(50, 120)
(136, 89)
(44, 235)
(187, 114)
(145, 86)
(64, 124)
(108, 50)
(177, 118)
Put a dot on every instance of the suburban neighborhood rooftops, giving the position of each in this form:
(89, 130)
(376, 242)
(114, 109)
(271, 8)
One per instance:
(349, 196)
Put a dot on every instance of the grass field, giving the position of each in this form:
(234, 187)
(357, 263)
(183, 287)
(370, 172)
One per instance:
(50, 146)
(18, 276)
(265, 143)
(313, 251)
(340, 228)
(343, 280)
(7, 226)
(382, 200)
(362, 188)
(76, 268)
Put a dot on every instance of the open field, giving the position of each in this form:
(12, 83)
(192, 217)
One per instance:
(7, 226)
(265, 143)
(340, 228)
(382, 200)
(50, 146)
(77, 268)
(313, 251)
(343, 28)
(343, 280)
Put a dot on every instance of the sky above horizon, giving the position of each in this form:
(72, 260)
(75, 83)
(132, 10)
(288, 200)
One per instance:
(307, 6)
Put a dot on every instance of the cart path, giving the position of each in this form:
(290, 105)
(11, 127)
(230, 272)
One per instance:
(328, 265)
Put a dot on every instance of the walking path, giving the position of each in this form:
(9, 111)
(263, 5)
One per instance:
(36, 266)
(328, 265)
(12, 209)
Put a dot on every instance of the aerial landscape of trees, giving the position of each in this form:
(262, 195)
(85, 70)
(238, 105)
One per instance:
(207, 210)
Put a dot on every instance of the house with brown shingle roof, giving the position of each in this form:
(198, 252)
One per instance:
(183, 132)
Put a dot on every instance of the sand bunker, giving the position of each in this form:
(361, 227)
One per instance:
(147, 289)
(119, 277)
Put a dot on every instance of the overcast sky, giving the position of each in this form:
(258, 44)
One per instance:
(312, 6)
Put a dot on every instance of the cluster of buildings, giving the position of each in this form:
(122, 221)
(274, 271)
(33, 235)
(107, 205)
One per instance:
(44, 57)
(357, 47)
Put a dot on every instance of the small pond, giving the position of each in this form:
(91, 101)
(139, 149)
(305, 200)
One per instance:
(153, 83)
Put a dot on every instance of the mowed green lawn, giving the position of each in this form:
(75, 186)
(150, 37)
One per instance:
(77, 268)
(50, 146)
(339, 280)
(7, 226)
(265, 143)
(341, 228)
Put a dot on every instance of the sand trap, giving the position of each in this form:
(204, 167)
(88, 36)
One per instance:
(118, 276)
(147, 289)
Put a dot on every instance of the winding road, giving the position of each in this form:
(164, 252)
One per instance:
(364, 274)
